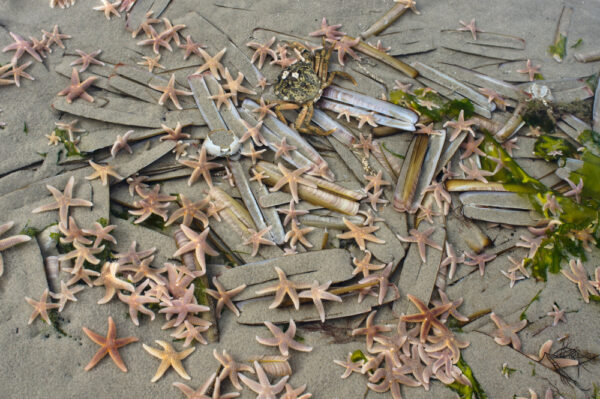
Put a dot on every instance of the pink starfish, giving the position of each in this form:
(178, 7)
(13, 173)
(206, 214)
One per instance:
(451, 259)
(507, 333)
(263, 387)
(329, 31)
(475, 173)
(470, 27)
(20, 46)
(343, 46)
(579, 276)
(183, 306)
(557, 315)
(87, 59)
(262, 50)
(284, 341)
(460, 125)
(530, 70)
(575, 189)
(421, 239)
(479, 260)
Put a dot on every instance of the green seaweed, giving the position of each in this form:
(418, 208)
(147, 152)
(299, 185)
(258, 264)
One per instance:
(578, 43)
(591, 141)
(475, 391)
(552, 148)
(103, 222)
(29, 231)
(523, 315)
(559, 49)
(25, 128)
(392, 152)
(443, 109)
(54, 318)
(357, 356)
(200, 292)
(70, 147)
(507, 371)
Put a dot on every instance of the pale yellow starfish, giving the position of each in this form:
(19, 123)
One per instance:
(102, 172)
(169, 358)
(169, 91)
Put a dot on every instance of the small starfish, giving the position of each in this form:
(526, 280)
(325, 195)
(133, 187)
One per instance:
(297, 234)
(370, 330)
(40, 46)
(256, 239)
(405, 87)
(126, 5)
(109, 344)
(142, 271)
(421, 239)
(451, 259)
(291, 213)
(189, 211)
(264, 109)
(151, 63)
(223, 297)
(172, 31)
(72, 233)
(375, 198)
(201, 393)
(262, 83)
(231, 368)
(87, 59)
(17, 72)
(41, 307)
(81, 274)
(344, 113)
(258, 176)
(507, 333)
(329, 31)
(284, 341)
(409, 4)
(136, 302)
(183, 306)
(428, 130)
(453, 311)
(349, 365)
(221, 98)
(192, 332)
(292, 179)
(63, 200)
(284, 287)
(121, 143)
(180, 149)
(375, 182)
(9, 242)
(173, 134)
(108, 278)
(291, 393)
(533, 243)
(557, 315)
(212, 64)
(575, 189)
(512, 277)
(364, 265)
(510, 145)
(472, 147)
(145, 25)
(470, 27)
(380, 47)
(475, 173)
(263, 387)
(283, 149)
(190, 47)
(493, 96)
(479, 260)
(235, 86)
(430, 105)
(579, 276)
(20, 46)
(318, 293)
(69, 128)
(169, 91)
(427, 213)
(198, 243)
(169, 358)
(460, 125)
(366, 144)
(520, 266)
(428, 317)
(102, 172)
(534, 132)
(133, 256)
(343, 46)
(530, 70)
(368, 118)
(254, 133)
(201, 167)
(253, 154)
(441, 196)
(551, 204)
(262, 50)
(65, 295)
(382, 279)
(109, 8)
(284, 61)
(360, 234)
(77, 88)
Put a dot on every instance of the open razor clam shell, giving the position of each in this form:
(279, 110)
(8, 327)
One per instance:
(515, 217)
(370, 103)
(434, 150)
(408, 177)
(379, 119)
(325, 122)
(207, 107)
(495, 199)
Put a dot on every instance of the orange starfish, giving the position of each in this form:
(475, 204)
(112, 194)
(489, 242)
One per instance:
(293, 179)
(256, 238)
(297, 234)
(41, 307)
(201, 167)
(360, 234)
(77, 88)
(212, 64)
(109, 344)
(102, 172)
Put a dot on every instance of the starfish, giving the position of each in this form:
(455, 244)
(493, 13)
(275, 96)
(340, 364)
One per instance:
(329, 31)
(382, 279)
(82, 253)
(291, 393)
(291, 213)
(81, 274)
(551, 204)
(18, 72)
(364, 265)
(133, 256)
(453, 311)
(136, 302)
(263, 387)
(470, 27)
(428, 130)
(254, 133)
(360, 234)
(475, 173)
(557, 315)
(180, 149)
(109, 8)
(575, 189)
(460, 125)
(189, 211)
(145, 25)
(126, 5)
(343, 46)
(284, 287)
(190, 47)
(9, 242)
(370, 330)
(69, 128)
(283, 149)
(479, 260)
(223, 297)
(201, 393)
(520, 266)
(253, 154)
(77, 88)
(87, 59)
(262, 50)
(151, 63)
(368, 118)
(63, 200)
(231, 368)
(102, 172)
(428, 317)
(172, 31)
(318, 293)
(201, 167)
(349, 365)
(143, 270)
(409, 4)
(235, 86)
(169, 358)
(173, 134)
(264, 109)
(262, 83)
(441, 196)
(20, 46)
(451, 259)
(221, 98)
(512, 277)
(212, 64)
(65, 295)
(284, 341)
(40, 46)
(556, 362)
(108, 278)
(510, 145)
(366, 144)
(198, 244)
(72, 233)
(422, 239)
(258, 177)
(191, 332)
(297, 234)
(121, 144)
(183, 306)
(41, 307)
(530, 70)
(507, 333)
(292, 179)
(493, 96)
(169, 91)
(472, 147)
(533, 243)
(109, 344)
(375, 182)
(375, 198)
(256, 239)
(579, 276)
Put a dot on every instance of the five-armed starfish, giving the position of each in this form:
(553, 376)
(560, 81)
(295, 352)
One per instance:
(360, 234)
(78, 88)
(284, 341)
(169, 358)
(109, 344)
(169, 91)
(421, 239)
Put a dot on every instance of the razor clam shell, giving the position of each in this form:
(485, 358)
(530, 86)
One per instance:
(236, 209)
(336, 188)
(466, 229)
(453, 84)
(385, 21)
(370, 103)
(458, 185)
(330, 222)
(501, 215)
(406, 185)
(580, 93)
(512, 125)
(498, 200)
(450, 148)
(434, 150)
(576, 123)
(327, 123)
(379, 119)
(589, 56)
(207, 107)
